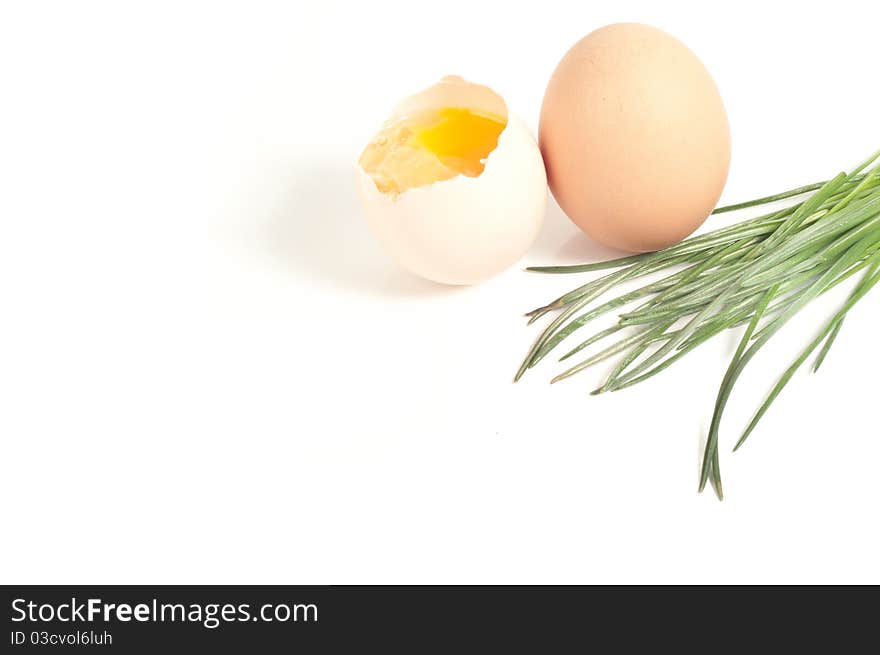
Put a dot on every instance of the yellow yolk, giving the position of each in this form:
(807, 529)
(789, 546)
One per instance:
(462, 138)
(431, 147)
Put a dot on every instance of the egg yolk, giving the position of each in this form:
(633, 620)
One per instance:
(430, 147)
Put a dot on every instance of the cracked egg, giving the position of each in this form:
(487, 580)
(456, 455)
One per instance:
(453, 185)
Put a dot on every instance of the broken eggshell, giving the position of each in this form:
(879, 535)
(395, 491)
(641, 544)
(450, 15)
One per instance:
(465, 229)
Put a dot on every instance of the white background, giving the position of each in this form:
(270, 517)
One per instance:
(210, 373)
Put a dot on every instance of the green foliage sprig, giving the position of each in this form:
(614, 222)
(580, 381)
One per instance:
(758, 273)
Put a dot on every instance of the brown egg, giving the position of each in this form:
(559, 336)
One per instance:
(635, 137)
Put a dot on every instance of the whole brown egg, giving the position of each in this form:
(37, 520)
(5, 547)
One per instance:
(635, 137)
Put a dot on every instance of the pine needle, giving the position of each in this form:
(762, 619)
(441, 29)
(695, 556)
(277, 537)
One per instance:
(759, 273)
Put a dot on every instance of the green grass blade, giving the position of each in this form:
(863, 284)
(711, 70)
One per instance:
(739, 360)
(870, 280)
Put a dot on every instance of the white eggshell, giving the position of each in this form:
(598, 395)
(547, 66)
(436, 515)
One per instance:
(466, 229)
